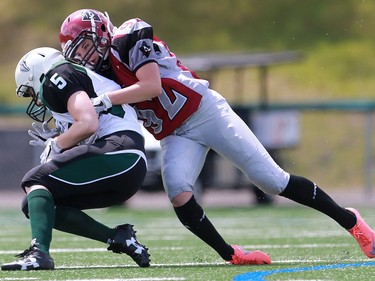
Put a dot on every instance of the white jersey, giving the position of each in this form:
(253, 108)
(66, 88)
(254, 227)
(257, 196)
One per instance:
(189, 118)
(182, 90)
(120, 118)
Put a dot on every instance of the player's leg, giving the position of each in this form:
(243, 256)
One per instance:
(120, 239)
(239, 145)
(42, 218)
(75, 221)
(182, 162)
(72, 220)
(236, 142)
(121, 174)
(304, 191)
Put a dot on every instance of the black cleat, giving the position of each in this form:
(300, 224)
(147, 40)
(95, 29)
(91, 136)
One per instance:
(125, 241)
(31, 259)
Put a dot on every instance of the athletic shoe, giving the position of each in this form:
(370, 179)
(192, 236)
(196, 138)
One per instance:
(243, 257)
(364, 235)
(31, 259)
(126, 242)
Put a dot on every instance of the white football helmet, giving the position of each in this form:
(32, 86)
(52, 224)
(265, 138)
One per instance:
(29, 74)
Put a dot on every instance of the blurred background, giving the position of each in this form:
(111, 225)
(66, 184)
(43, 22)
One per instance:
(330, 141)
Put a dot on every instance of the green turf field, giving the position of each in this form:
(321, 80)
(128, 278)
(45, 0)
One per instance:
(303, 244)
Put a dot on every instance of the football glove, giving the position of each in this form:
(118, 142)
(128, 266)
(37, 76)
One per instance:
(50, 151)
(101, 103)
(41, 133)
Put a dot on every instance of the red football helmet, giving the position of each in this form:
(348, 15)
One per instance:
(83, 25)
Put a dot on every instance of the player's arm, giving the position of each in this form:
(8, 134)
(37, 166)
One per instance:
(134, 45)
(148, 86)
(85, 120)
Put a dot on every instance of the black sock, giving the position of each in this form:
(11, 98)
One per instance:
(193, 217)
(303, 191)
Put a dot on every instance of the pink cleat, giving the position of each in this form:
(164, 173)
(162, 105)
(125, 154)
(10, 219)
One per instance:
(364, 235)
(243, 257)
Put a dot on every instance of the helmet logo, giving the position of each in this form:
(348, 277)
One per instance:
(23, 66)
(90, 15)
(145, 49)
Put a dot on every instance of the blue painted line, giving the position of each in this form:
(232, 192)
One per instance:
(259, 275)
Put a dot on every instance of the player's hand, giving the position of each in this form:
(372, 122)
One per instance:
(101, 103)
(41, 133)
(50, 151)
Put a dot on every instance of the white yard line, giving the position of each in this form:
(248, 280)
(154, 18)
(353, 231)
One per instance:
(263, 246)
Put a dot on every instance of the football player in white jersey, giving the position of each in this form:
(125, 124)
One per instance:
(105, 171)
(189, 118)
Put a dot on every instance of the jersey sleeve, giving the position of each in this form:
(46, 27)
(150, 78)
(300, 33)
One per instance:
(133, 41)
(61, 82)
